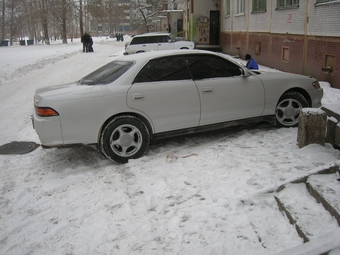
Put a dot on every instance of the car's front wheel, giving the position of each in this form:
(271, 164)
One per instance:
(288, 109)
(124, 138)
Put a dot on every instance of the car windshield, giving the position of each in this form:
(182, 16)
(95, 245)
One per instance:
(107, 73)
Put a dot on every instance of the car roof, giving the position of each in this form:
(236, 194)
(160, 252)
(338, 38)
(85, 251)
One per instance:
(146, 56)
(162, 53)
(152, 34)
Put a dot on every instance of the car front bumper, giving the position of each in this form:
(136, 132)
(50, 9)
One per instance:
(316, 97)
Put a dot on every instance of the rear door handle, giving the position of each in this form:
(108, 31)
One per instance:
(205, 91)
(138, 97)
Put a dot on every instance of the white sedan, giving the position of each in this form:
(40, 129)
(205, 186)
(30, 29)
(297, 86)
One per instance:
(123, 105)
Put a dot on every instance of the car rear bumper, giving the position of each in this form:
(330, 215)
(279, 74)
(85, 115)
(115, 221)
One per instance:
(48, 130)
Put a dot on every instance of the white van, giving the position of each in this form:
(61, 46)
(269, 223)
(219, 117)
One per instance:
(156, 41)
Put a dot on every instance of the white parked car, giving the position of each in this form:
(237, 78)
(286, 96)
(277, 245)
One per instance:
(123, 105)
(156, 41)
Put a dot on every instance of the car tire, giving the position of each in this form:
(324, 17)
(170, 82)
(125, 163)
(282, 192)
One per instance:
(123, 138)
(288, 109)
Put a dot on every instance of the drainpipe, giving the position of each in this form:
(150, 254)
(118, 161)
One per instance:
(247, 25)
(305, 38)
(192, 20)
(271, 35)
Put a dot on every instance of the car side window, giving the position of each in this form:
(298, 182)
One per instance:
(164, 69)
(207, 66)
(151, 39)
(163, 39)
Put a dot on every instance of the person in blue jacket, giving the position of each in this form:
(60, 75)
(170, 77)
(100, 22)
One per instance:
(251, 63)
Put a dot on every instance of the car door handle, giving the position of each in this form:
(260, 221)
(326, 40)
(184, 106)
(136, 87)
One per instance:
(138, 97)
(205, 91)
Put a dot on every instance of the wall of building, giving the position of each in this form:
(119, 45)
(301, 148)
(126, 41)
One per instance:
(324, 20)
(202, 20)
(299, 40)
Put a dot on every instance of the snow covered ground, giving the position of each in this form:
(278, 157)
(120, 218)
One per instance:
(185, 196)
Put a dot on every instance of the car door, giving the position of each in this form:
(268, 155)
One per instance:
(165, 43)
(165, 92)
(150, 43)
(225, 93)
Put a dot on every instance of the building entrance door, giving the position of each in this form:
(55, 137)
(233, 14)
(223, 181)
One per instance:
(180, 28)
(214, 28)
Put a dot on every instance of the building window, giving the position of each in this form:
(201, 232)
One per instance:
(259, 6)
(285, 54)
(285, 4)
(227, 8)
(240, 7)
(321, 2)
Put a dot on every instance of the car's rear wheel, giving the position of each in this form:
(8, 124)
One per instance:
(288, 109)
(124, 138)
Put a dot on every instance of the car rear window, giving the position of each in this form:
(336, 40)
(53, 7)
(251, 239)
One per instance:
(107, 73)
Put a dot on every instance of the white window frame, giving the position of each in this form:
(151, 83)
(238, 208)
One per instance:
(259, 6)
(240, 7)
(283, 4)
(227, 8)
(326, 2)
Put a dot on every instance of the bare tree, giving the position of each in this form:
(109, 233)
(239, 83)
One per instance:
(81, 17)
(12, 26)
(145, 14)
(44, 13)
(3, 20)
(63, 20)
(39, 19)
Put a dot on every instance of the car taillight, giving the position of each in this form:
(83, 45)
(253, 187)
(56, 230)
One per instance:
(316, 84)
(45, 111)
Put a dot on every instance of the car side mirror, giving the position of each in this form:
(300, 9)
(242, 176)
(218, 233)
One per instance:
(170, 41)
(245, 72)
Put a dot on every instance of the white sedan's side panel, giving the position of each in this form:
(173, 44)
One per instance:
(277, 83)
(82, 112)
(170, 105)
(83, 118)
(48, 129)
(166, 46)
(232, 98)
(147, 47)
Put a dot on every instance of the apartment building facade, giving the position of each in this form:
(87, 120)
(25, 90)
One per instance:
(298, 36)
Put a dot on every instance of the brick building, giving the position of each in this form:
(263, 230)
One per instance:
(298, 36)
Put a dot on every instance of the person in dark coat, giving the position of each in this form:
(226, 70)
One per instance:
(168, 29)
(91, 44)
(85, 39)
(251, 63)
